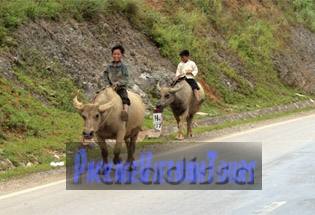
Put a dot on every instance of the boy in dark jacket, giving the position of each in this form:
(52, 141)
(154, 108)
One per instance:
(116, 75)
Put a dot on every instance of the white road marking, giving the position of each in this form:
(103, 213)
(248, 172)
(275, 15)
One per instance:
(269, 208)
(260, 127)
(31, 189)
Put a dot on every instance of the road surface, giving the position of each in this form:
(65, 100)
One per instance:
(288, 183)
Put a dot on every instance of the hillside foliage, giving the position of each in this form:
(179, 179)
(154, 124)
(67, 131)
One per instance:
(232, 43)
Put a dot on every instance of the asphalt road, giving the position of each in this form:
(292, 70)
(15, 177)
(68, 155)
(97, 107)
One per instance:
(285, 186)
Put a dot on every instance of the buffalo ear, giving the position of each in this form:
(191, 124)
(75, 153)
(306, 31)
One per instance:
(81, 111)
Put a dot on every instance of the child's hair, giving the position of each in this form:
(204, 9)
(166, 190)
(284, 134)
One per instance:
(184, 53)
(120, 47)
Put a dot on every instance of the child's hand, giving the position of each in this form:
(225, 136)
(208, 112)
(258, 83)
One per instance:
(115, 85)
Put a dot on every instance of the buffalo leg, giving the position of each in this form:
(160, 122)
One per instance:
(180, 135)
(127, 141)
(177, 120)
(117, 150)
(132, 148)
(189, 125)
(104, 150)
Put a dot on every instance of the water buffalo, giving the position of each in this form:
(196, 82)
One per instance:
(183, 104)
(103, 119)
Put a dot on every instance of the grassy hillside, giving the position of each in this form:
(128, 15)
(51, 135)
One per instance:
(232, 43)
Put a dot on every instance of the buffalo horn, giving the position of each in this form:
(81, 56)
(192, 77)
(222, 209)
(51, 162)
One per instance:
(105, 107)
(158, 86)
(78, 105)
(174, 90)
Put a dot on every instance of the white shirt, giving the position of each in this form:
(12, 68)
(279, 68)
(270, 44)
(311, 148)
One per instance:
(183, 68)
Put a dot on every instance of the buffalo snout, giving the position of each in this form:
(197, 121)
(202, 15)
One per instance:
(159, 106)
(88, 135)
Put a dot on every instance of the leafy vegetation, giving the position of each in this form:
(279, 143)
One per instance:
(34, 130)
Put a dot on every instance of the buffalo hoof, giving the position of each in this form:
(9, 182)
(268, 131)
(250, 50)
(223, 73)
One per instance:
(117, 160)
(105, 170)
(130, 168)
(190, 135)
(179, 137)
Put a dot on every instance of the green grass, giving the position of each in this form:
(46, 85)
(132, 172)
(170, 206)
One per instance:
(32, 131)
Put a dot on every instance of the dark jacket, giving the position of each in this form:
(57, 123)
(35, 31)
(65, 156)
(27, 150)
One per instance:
(118, 74)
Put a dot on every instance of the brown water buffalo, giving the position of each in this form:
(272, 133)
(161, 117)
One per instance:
(183, 104)
(102, 118)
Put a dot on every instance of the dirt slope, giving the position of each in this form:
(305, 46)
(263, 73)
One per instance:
(81, 50)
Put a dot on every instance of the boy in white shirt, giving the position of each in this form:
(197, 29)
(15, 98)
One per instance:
(188, 69)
